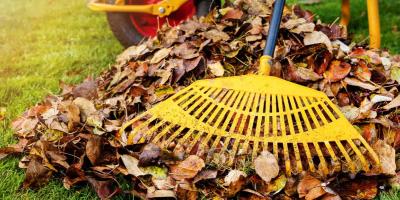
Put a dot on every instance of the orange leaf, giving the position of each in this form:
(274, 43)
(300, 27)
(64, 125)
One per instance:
(337, 71)
(362, 71)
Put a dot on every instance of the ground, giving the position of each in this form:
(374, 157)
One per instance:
(43, 42)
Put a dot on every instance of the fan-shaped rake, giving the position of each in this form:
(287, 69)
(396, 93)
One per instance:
(235, 115)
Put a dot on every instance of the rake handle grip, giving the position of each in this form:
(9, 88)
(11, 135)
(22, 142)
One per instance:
(274, 27)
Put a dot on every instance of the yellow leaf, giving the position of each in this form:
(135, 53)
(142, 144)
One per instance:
(217, 69)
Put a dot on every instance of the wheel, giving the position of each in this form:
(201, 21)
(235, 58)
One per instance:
(131, 28)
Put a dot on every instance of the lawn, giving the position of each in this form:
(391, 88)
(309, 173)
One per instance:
(43, 42)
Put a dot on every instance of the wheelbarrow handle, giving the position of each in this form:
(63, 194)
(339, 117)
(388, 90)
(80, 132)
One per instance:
(274, 28)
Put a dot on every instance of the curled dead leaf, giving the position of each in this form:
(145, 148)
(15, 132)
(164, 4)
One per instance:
(317, 37)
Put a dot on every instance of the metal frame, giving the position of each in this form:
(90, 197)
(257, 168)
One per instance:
(161, 9)
(373, 21)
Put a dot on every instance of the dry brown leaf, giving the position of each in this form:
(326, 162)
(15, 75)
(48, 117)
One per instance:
(233, 176)
(150, 155)
(205, 175)
(187, 168)
(317, 37)
(231, 13)
(393, 104)
(160, 194)
(266, 166)
(350, 112)
(93, 148)
(73, 113)
(308, 184)
(105, 189)
(216, 35)
(387, 156)
(307, 74)
(86, 107)
(36, 175)
(160, 55)
(358, 83)
(131, 164)
(292, 23)
(87, 89)
(234, 181)
(365, 188)
(216, 68)
(185, 51)
(303, 28)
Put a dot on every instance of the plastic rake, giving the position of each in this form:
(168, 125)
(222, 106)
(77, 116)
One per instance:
(252, 113)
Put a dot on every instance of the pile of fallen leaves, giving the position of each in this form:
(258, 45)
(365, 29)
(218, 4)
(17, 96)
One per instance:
(73, 135)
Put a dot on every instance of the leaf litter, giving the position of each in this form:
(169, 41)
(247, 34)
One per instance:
(74, 135)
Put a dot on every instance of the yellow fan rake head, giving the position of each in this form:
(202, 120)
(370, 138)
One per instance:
(244, 115)
(299, 125)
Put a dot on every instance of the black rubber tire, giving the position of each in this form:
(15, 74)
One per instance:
(123, 29)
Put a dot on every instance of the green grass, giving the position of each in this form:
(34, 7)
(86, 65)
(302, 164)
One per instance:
(329, 10)
(43, 42)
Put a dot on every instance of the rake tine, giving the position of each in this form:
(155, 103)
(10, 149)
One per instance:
(252, 116)
(312, 115)
(166, 143)
(235, 122)
(226, 122)
(359, 154)
(243, 120)
(282, 112)
(300, 129)
(162, 133)
(274, 126)
(267, 122)
(328, 111)
(305, 118)
(346, 156)
(136, 130)
(198, 111)
(130, 122)
(252, 100)
(311, 165)
(296, 114)
(195, 97)
(231, 96)
(298, 158)
(321, 159)
(258, 126)
(331, 152)
(201, 100)
(210, 108)
(182, 98)
(152, 130)
(370, 150)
